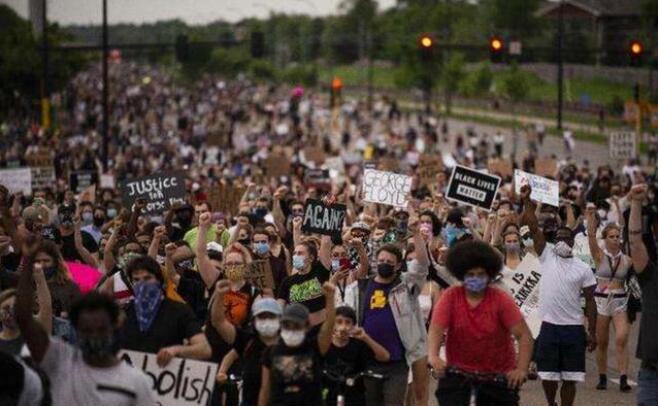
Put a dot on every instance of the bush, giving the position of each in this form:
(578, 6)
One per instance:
(478, 82)
(262, 70)
(306, 75)
(229, 62)
(616, 105)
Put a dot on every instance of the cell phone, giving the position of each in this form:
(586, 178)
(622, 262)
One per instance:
(345, 263)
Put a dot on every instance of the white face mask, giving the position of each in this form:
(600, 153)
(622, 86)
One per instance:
(293, 338)
(267, 327)
(562, 249)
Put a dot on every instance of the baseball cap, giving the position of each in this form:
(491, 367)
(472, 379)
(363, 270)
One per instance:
(297, 313)
(360, 225)
(266, 305)
(214, 246)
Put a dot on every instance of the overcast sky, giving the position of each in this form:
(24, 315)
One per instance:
(191, 11)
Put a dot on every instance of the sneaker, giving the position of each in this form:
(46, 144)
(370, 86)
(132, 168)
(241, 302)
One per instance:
(623, 384)
(603, 382)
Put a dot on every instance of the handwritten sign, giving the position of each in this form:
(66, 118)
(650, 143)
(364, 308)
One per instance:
(277, 164)
(428, 167)
(259, 274)
(322, 219)
(182, 382)
(160, 190)
(386, 188)
(622, 145)
(226, 198)
(522, 284)
(42, 177)
(472, 187)
(502, 167)
(543, 189)
(17, 180)
(81, 180)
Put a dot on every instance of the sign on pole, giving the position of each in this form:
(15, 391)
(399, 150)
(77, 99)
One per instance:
(322, 219)
(543, 189)
(160, 190)
(386, 188)
(183, 382)
(472, 187)
(623, 145)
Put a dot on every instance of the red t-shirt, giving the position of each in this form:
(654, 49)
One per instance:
(478, 338)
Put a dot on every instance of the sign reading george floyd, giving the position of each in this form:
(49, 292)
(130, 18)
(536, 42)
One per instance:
(472, 187)
(182, 382)
(160, 190)
(322, 219)
(386, 188)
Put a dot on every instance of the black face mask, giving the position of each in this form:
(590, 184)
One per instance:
(385, 270)
(99, 221)
(245, 241)
(184, 219)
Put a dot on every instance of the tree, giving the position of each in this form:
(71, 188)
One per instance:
(451, 76)
(515, 86)
(478, 82)
(511, 17)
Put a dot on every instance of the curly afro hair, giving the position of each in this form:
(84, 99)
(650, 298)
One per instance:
(94, 301)
(467, 255)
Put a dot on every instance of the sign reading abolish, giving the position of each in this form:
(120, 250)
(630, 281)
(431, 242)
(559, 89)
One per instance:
(160, 190)
(472, 187)
(386, 188)
(543, 189)
(322, 219)
(522, 284)
(181, 382)
(81, 180)
(622, 145)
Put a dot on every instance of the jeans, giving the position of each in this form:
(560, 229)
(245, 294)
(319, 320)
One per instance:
(455, 390)
(647, 394)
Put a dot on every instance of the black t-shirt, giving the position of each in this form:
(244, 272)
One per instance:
(295, 374)
(63, 295)
(192, 289)
(13, 346)
(347, 362)
(647, 345)
(251, 350)
(69, 253)
(174, 323)
(10, 262)
(305, 289)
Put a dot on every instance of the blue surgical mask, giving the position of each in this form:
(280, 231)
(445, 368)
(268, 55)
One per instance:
(298, 262)
(87, 217)
(476, 284)
(111, 213)
(262, 248)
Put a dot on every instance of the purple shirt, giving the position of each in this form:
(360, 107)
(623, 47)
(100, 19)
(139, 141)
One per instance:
(378, 320)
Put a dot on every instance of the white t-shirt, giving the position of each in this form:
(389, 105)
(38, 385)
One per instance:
(73, 382)
(562, 280)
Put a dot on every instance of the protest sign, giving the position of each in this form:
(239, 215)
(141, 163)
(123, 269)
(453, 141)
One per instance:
(581, 249)
(472, 187)
(314, 154)
(160, 190)
(622, 145)
(428, 167)
(322, 219)
(543, 189)
(546, 167)
(81, 180)
(17, 180)
(500, 167)
(259, 274)
(226, 198)
(522, 284)
(386, 188)
(42, 177)
(39, 158)
(88, 195)
(317, 178)
(182, 382)
(107, 181)
(277, 165)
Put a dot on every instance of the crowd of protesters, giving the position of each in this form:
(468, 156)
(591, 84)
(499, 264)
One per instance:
(407, 301)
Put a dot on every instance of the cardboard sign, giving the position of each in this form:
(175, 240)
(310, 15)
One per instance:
(259, 274)
(543, 189)
(88, 195)
(277, 165)
(472, 187)
(226, 198)
(314, 154)
(322, 219)
(546, 167)
(182, 382)
(40, 158)
(81, 180)
(622, 145)
(386, 188)
(160, 190)
(17, 180)
(42, 177)
(522, 284)
(500, 167)
(428, 167)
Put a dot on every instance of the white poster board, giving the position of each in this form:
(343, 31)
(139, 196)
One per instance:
(182, 382)
(522, 284)
(17, 180)
(544, 190)
(622, 145)
(386, 188)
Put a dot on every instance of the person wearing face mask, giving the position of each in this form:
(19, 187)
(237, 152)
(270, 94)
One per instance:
(95, 228)
(63, 290)
(291, 371)
(90, 373)
(387, 308)
(247, 345)
(479, 320)
(262, 249)
(157, 324)
(562, 338)
(350, 353)
(77, 245)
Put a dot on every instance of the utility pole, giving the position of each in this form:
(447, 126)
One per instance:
(560, 68)
(45, 91)
(106, 93)
(370, 71)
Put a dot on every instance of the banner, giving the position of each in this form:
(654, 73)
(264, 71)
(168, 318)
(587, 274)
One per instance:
(622, 145)
(81, 180)
(43, 177)
(428, 167)
(386, 188)
(522, 284)
(472, 187)
(160, 190)
(322, 219)
(17, 180)
(259, 274)
(544, 190)
(182, 382)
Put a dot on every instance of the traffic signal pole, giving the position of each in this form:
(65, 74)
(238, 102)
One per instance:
(45, 90)
(560, 68)
(106, 92)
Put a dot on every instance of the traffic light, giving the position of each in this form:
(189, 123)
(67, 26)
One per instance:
(636, 50)
(496, 48)
(426, 46)
(257, 44)
(336, 90)
(182, 48)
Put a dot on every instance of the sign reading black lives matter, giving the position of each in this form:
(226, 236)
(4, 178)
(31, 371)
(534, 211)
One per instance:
(322, 219)
(182, 382)
(81, 180)
(472, 187)
(160, 190)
